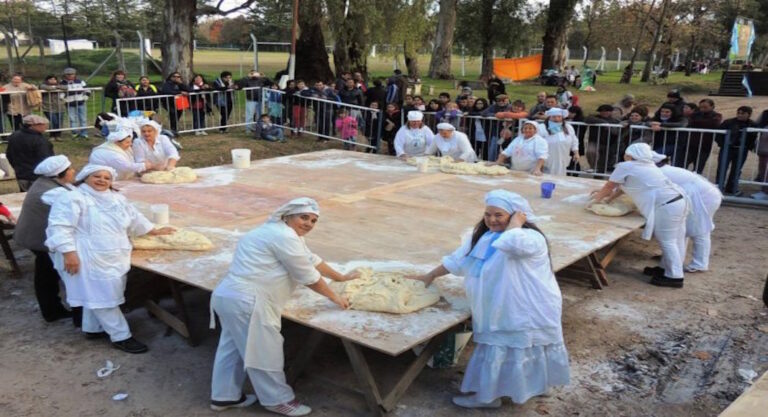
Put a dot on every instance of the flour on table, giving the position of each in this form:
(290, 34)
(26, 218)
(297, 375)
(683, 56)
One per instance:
(466, 168)
(178, 175)
(181, 239)
(432, 161)
(386, 292)
(616, 208)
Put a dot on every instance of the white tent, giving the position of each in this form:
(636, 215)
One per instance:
(57, 45)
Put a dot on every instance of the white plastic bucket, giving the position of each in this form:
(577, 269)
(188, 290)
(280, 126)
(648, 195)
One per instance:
(241, 158)
(160, 213)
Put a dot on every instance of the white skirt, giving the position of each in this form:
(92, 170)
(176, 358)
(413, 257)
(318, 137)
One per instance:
(519, 373)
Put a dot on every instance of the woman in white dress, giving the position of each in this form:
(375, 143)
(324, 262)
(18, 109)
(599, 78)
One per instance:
(117, 153)
(705, 200)
(154, 147)
(663, 204)
(270, 261)
(561, 140)
(528, 151)
(516, 306)
(414, 138)
(449, 142)
(87, 234)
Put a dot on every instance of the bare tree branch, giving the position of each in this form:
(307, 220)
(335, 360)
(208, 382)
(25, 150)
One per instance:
(211, 10)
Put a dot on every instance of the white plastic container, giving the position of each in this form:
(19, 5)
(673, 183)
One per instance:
(241, 158)
(423, 165)
(160, 213)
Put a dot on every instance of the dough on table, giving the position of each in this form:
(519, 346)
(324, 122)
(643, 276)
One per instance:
(178, 175)
(181, 239)
(386, 292)
(432, 160)
(616, 208)
(467, 168)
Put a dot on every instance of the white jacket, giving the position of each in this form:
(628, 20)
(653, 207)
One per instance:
(111, 155)
(413, 142)
(457, 147)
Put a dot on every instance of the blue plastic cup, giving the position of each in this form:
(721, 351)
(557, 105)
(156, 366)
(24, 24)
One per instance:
(547, 188)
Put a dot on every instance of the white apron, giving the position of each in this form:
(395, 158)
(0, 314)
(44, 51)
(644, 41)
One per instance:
(111, 155)
(99, 234)
(705, 199)
(561, 145)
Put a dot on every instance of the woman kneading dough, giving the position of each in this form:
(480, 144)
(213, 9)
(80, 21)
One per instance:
(156, 148)
(561, 140)
(270, 261)
(528, 151)
(117, 153)
(87, 232)
(414, 138)
(516, 306)
(450, 142)
(663, 204)
(705, 200)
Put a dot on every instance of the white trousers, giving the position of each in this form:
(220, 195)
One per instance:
(228, 368)
(110, 320)
(669, 231)
(702, 245)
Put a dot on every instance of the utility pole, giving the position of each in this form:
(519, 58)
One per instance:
(64, 33)
(294, 30)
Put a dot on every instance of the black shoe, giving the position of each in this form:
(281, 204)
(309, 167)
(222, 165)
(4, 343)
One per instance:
(130, 345)
(77, 317)
(244, 401)
(60, 314)
(653, 271)
(95, 335)
(667, 282)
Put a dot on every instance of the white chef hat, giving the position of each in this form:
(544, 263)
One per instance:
(296, 206)
(52, 166)
(658, 157)
(556, 111)
(92, 168)
(146, 122)
(119, 135)
(445, 126)
(415, 116)
(509, 202)
(640, 151)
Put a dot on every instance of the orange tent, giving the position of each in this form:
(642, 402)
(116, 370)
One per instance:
(517, 69)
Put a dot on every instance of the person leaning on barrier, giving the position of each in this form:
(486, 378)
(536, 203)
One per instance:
(224, 97)
(700, 143)
(53, 105)
(119, 86)
(76, 96)
(761, 149)
(252, 85)
(56, 176)
(734, 154)
(174, 86)
(144, 91)
(17, 106)
(27, 147)
(603, 148)
(638, 116)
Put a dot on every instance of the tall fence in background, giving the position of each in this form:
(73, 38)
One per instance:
(67, 110)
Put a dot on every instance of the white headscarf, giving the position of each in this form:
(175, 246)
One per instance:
(296, 206)
(509, 202)
(445, 126)
(119, 135)
(92, 168)
(52, 166)
(555, 111)
(154, 124)
(640, 151)
(658, 157)
(415, 116)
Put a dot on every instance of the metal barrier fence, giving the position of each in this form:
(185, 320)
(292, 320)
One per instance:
(67, 110)
(326, 119)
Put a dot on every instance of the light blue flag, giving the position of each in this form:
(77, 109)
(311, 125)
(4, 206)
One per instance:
(745, 83)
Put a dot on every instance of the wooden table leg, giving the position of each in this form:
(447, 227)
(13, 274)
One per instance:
(180, 324)
(364, 377)
(397, 392)
(305, 355)
(8, 251)
(611, 253)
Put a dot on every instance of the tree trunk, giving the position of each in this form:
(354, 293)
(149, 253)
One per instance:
(558, 17)
(486, 36)
(411, 60)
(180, 17)
(656, 36)
(627, 76)
(350, 52)
(311, 57)
(440, 64)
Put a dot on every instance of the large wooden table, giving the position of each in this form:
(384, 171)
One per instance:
(375, 210)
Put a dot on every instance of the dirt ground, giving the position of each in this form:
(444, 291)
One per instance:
(635, 349)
